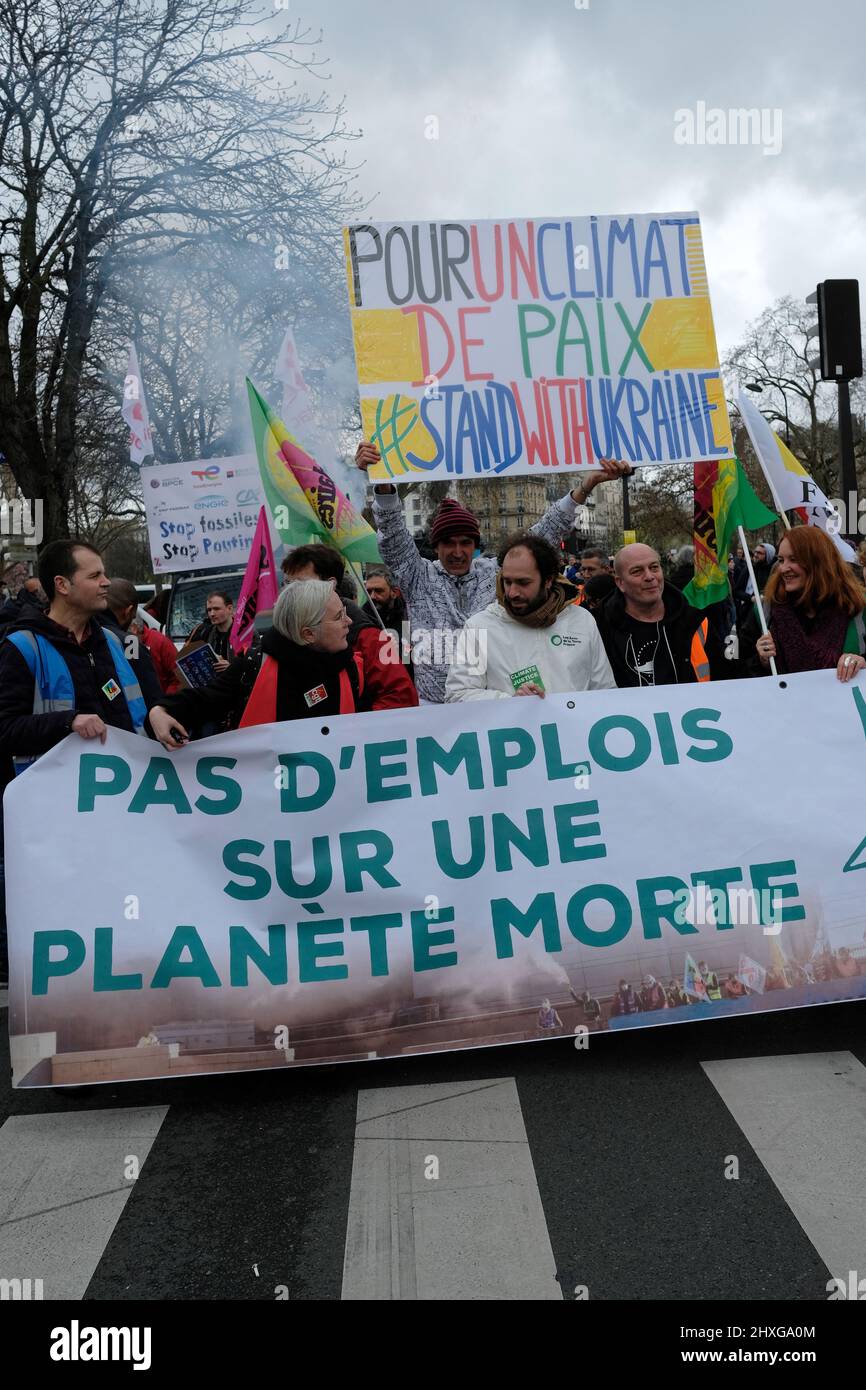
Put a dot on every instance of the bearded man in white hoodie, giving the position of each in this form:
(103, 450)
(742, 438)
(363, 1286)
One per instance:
(534, 640)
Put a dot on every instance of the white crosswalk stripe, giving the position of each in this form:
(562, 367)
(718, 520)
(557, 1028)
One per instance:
(805, 1117)
(63, 1188)
(456, 1192)
(444, 1202)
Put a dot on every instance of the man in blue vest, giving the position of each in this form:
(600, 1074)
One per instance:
(61, 672)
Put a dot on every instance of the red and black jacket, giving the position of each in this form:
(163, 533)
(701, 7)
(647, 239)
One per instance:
(282, 681)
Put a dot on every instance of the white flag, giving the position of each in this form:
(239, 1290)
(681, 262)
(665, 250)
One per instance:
(134, 411)
(751, 974)
(790, 484)
(297, 412)
(299, 417)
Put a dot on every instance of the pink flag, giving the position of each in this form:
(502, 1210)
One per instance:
(259, 589)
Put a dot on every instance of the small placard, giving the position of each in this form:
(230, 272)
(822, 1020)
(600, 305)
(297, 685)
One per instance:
(528, 675)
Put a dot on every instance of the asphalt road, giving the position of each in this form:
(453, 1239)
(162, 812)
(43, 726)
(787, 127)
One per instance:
(246, 1189)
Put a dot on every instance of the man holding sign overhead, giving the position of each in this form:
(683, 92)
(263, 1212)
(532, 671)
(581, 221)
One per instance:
(441, 594)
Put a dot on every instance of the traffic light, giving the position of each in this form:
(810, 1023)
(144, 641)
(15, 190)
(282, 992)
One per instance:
(841, 352)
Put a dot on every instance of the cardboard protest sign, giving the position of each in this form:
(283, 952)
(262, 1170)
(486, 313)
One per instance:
(419, 880)
(509, 347)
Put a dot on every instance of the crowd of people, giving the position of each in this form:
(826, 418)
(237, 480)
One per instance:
(78, 655)
(653, 995)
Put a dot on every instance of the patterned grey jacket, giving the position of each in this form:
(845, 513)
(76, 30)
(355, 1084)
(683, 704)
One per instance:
(440, 602)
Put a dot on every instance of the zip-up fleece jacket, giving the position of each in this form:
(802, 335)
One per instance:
(437, 599)
(569, 655)
(91, 666)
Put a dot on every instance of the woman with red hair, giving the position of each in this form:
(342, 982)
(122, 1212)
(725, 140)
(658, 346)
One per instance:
(814, 610)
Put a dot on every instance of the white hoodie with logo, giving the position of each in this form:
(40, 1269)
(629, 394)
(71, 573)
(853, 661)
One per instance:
(568, 655)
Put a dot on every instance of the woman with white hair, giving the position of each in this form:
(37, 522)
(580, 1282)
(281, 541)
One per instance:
(305, 669)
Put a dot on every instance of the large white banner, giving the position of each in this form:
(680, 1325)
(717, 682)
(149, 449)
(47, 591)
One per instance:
(202, 514)
(421, 880)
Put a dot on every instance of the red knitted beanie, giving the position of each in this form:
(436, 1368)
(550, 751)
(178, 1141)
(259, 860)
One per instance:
(453, 520)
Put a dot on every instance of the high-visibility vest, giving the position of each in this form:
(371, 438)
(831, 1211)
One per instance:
(698, 655)
(54, 690)
(262, 705)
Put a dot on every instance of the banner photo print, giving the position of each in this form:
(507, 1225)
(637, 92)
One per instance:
(417, 881)
(494, 348)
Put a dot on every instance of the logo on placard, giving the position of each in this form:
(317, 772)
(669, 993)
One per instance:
(214, 499)
(246, 496)
(208, 474)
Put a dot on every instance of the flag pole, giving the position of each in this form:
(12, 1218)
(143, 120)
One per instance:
(758, 604)
(357, 574)
(779, 508)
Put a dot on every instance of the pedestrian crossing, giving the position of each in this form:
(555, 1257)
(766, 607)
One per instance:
(519, 1174)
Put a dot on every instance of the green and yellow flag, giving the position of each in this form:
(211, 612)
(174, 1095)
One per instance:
(724, 500)
(303, 500)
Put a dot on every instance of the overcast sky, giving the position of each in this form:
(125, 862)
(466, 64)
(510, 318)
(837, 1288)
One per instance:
(547, 109)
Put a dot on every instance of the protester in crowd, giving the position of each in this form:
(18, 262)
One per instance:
(216, 631)
(813, 608)
(625, 1001)
(589, 1006)
(548, 1019)
(61, 672)
(733, 988)
(29, 599)
(651, 634)
(158, 607)
(305, 669)
(683, 567)
(441, 594)
(597, 591)
(676, 998)
(386, 680)
(534, 639)
(846, 965)
(593, 562)
(861, 558)
(763, 560)
(652, 996)
(710, 979)
(121, 608)
(163, 653)
(572, 570)
(387, 599)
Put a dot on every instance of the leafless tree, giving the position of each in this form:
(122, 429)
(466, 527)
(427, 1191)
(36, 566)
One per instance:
(774, 355)
(135, 135)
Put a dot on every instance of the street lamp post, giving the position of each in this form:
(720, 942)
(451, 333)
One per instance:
(758, 390)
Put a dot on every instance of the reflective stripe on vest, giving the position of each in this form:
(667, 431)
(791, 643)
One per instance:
(54, 691)
(262, 705)
(700, 661)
